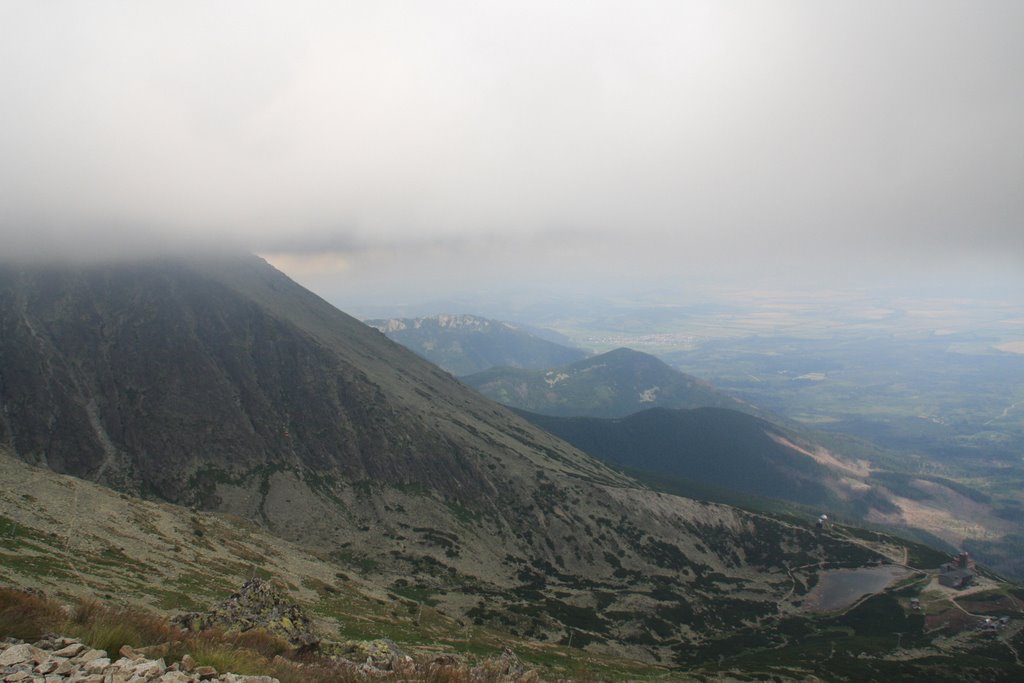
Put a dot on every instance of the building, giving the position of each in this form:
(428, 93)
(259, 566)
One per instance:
(958, 572)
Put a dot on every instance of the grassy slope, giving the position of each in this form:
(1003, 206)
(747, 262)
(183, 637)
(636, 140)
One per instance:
(76, 540)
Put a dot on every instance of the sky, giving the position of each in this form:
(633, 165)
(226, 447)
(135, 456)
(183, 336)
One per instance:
(392, 150)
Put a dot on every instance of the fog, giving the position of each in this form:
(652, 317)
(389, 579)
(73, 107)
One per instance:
(398, 150)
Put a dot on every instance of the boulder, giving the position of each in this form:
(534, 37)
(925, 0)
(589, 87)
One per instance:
(205, 673)
(95, 666)
(70, 650)
(22, 654)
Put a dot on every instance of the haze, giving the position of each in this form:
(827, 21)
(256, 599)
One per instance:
(407, 150)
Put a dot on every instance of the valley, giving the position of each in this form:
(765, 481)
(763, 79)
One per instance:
(177, 426)
(921, 387)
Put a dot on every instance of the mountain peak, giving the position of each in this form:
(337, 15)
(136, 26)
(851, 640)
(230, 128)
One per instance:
(463, 344)
(613, 384)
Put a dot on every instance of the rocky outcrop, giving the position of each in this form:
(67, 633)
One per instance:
(65, 660)
(258, 604)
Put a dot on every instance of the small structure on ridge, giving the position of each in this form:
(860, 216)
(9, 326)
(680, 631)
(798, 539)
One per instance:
(959, 572)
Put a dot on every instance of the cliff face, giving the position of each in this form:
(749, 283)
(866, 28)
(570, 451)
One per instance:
(222, 384)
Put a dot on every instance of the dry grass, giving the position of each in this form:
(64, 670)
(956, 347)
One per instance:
(109, 628)
(26, 616)
(29, 617)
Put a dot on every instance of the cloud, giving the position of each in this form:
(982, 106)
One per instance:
(616, 133)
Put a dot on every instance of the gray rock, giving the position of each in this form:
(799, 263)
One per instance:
(47, 666)
(65, 668)
(148, 668)
(96, 666)
(175, 677)
(89, 655)
(70, 650)
(22, 654)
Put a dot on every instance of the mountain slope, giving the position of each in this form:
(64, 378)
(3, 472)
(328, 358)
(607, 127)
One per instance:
(709, 445)
(613, 384)
(73, 538)
(465, 344)
(220, 383)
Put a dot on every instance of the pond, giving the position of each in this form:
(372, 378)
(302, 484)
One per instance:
(839, 588)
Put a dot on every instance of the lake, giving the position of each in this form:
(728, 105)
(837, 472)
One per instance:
(840, 588)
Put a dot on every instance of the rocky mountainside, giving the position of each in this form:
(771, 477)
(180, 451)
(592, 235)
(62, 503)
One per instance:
(613, 384)
(220, 384)
(465, 344)
(72, 538)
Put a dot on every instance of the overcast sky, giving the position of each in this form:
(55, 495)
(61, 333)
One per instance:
(424, 144)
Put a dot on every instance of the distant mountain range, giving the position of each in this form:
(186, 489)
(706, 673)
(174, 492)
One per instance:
(631, 409)
(464, 344)
(613, 384)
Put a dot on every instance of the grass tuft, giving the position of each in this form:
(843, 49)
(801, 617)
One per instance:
(26, 616)
(109, 628)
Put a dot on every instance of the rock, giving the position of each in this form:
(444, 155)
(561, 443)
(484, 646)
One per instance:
(127, 651)
(510, 662)
(95, 666)
(158, 651)
(70, 650)
(24, 663)
(89, 655)
(49, 641)
(49, 665)
(258, 604)
(65, 668)
(187, 663)
(205, 673)
(22, 654)
(148, 668)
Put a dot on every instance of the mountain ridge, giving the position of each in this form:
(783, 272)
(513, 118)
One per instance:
(613, 384)
(464, 343)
